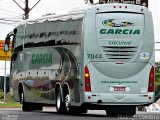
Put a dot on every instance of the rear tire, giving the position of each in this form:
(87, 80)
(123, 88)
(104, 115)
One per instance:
(26, 106)
(60, 105)
(73, 110)
(69, 109)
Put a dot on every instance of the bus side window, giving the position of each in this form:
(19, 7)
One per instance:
(102, 1)
(13, 42)
(14, 38)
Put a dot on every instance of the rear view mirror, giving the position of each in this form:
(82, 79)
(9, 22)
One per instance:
(8, 38)
(6, 47)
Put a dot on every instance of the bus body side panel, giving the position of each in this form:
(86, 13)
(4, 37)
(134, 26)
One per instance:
(51, 56)
(119, 54)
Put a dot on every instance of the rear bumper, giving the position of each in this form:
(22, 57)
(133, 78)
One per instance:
(105, 107)
(119, 99)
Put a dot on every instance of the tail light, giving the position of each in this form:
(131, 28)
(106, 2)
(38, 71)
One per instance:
(87, 79)
(151, 80)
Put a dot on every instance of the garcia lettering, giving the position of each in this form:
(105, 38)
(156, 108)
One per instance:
(42, 58)
(120, 31)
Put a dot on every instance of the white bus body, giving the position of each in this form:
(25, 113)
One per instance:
(101, 57)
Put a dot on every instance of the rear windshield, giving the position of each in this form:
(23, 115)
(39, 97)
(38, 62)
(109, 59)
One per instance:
(119, 26)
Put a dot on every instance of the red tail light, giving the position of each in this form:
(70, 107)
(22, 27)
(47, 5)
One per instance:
(151, 80)
(87, 80)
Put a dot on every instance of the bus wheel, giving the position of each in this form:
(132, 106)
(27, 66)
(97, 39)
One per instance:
(74, 110)
(21, 98)
(67, 103)
(25, 106)
(60, 106)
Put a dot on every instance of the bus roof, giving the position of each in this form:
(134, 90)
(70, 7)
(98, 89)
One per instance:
(136, 2)
(79, 12)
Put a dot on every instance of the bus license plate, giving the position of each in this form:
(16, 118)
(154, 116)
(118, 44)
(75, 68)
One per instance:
(120, 88)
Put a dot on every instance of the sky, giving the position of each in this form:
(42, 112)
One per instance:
(10, 13)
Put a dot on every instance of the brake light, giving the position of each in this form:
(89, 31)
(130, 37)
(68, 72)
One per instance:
(87, 80)
(151, 80)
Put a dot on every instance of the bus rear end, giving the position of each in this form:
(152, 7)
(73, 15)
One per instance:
(118, 57)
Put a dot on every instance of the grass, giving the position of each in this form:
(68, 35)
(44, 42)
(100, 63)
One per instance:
(9, 101)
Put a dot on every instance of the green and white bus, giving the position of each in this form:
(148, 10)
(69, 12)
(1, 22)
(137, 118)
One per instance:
(99, 57)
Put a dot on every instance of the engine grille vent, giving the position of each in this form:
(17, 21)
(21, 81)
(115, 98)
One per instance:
(119, 53)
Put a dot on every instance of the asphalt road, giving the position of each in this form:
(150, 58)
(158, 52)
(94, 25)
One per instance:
(50, 114)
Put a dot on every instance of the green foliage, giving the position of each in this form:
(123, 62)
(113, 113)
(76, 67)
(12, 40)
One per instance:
(157, 81)
(9, 101)
(1, 95)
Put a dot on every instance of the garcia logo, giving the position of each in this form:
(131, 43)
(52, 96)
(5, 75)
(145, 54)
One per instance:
(120, 31)
(45, 58)
(117, 23)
